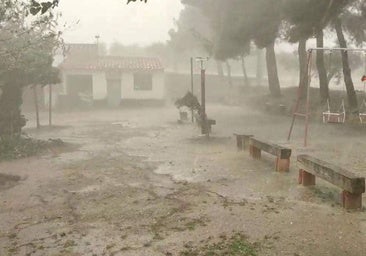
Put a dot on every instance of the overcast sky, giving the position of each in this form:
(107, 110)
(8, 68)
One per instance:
(113, 20)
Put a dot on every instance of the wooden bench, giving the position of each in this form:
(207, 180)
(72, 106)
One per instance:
(353, 186)
(283, 154)
(242, 141)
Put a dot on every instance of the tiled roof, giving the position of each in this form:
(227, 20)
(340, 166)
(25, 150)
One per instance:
(113, 63)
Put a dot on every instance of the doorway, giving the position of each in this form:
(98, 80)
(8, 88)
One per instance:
(114, 92)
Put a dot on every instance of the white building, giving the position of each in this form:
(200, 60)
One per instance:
(91, 79)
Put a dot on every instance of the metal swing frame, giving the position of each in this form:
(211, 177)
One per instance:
(362, 115)
(330, 116)
(306, 115)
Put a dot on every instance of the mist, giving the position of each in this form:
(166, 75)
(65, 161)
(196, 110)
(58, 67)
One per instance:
(187, 128)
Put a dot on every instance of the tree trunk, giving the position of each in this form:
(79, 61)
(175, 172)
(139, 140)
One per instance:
(50, 105)
(245, 74)
(273, 81)
(228, 67)
(36, 106)
(11, 120)
(320, 64)
(260, 64)
(351, 94)
(303, 79)
(220, 69)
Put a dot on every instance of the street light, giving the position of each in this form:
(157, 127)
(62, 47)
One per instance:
(203, 61)
(97, 37)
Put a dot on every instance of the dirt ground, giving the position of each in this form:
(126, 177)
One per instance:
(139, 183)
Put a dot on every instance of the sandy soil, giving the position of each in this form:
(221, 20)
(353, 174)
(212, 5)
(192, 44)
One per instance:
(142, 184)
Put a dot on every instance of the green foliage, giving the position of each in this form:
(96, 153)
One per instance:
(244, 22)
(128, 1)
(237, 245)
(190, 101)
(37, 7)
(305, 18)
(193, 31)
(27, 46)
(21, 147)
(354, 20)
(42, 7)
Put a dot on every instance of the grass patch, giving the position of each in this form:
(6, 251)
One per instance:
(21, 147)
(236, 245)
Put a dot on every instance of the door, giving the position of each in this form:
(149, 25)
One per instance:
(114, 92)
(80, 90)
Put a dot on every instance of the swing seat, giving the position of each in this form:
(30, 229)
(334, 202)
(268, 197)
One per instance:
(362, 115)
(335, 117)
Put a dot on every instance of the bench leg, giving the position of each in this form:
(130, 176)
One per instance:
(306, 179)
(254, 152)
(351, 201)
(282, 165)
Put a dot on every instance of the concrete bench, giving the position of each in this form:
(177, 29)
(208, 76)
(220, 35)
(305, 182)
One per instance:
(352, 185)
(183, 116)
(275, 108)
(242, 141)
(283, 154)
(209, 122)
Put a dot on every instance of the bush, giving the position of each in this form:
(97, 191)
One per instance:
(236, 245)
(21, 147)
(190, 101)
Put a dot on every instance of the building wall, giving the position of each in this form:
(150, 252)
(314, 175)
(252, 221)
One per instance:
(99, 83)
(157, 92)
(127, 83)
(99, 86)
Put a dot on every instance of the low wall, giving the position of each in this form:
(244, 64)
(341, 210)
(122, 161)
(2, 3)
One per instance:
(217, 88)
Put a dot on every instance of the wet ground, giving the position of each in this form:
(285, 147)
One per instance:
(139, 183)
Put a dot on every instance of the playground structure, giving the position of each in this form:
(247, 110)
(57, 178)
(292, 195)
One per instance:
(329, 116)
(362, 114)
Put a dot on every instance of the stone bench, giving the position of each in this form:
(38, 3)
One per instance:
(352, 185)
(242, 141)
(283, 154)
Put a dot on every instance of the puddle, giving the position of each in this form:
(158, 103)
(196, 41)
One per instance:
(8, 181)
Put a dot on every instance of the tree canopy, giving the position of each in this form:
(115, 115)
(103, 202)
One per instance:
(42, 7)
(27, 46)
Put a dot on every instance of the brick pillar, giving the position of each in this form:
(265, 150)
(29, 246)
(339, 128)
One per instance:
(245, 143)
(255, 152)
(282, 165)
(306, 179)
(351, 201)
(239, 142)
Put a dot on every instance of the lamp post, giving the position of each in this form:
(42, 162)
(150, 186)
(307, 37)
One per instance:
(203, 61)
(97, 37)
(192, 85)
